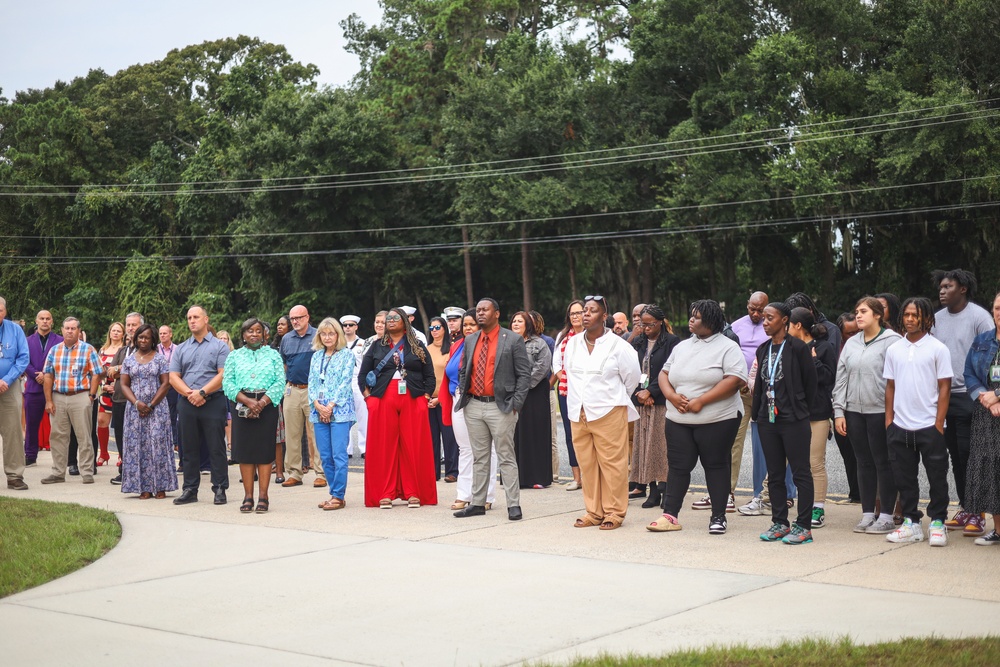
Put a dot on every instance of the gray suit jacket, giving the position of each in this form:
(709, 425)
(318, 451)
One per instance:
(511, 374)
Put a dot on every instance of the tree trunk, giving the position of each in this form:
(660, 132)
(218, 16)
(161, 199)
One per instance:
(571, 267)
(632, 274)
(423, 314)
(646, 276)
(826, 253)
(468, 268)
(526, 284)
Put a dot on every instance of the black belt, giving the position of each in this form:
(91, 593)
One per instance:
(483, 399)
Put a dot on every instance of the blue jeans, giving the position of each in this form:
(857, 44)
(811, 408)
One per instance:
(760, 467)
(332, 441)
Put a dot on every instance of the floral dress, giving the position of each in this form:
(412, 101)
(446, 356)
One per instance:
(148, 466)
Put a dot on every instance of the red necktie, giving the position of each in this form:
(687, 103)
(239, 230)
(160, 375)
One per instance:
(479, 381)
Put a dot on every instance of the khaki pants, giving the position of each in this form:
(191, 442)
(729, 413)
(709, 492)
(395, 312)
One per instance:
(296, 410)
(817, 458)
(10, 431)
(602, 451)
(72, 411)
(741, 436)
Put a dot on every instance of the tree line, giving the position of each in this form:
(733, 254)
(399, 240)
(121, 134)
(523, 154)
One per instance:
(530, 150)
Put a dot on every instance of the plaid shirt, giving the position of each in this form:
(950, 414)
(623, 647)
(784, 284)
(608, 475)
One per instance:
(71, 368)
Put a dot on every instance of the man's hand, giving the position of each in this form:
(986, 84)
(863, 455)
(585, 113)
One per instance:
(3, 386)
(40, 377)
(195, 399)
(50, 407)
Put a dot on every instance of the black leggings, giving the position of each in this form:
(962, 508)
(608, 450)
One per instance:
(713, 444)
(788, 441)
(867, 435)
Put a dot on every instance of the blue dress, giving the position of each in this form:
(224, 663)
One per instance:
(148, 466)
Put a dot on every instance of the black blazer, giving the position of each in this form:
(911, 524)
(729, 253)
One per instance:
(665, 344)
(825, 362)
(419, 374)
(799, 373)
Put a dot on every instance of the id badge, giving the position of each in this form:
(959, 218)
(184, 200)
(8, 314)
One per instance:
(322, 377)
(288, 390)
(322, 395)
(995, 373)
(401, 387)
(644, 380)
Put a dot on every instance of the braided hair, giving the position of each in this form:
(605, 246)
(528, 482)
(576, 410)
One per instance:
(925, 311)
(415, 345)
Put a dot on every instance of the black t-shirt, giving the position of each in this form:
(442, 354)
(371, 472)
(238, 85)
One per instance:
(782, 400)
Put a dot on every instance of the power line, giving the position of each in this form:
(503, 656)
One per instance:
(569, 160)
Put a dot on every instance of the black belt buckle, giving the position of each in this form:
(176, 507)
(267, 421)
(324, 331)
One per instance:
(484, 399)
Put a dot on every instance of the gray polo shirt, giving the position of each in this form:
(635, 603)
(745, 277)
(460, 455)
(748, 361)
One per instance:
(198, 363)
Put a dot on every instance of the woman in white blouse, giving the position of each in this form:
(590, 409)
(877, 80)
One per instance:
(602, 371)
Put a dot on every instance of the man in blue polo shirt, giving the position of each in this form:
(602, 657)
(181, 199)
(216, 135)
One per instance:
(296, 351)
(13, 361)
(196, 374)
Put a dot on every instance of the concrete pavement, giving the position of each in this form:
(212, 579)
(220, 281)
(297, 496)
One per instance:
(299, 586)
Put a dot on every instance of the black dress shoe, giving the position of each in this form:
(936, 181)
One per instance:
(471, 510)
(514, 513)
(188, 496)
(220, 497)
(74, 470)
(117, 479)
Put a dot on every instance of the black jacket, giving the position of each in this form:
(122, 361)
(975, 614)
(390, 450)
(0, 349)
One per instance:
(825, 361)
(419, 374)
(665, 344)
(799, 377)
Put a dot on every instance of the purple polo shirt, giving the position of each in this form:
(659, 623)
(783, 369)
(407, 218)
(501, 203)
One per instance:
(751, 336)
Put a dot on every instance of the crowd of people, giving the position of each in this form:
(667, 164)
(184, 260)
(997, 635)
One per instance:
(895, 383)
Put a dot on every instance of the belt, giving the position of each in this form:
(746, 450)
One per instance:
(298, 386)
(483, 399)
(73, 393)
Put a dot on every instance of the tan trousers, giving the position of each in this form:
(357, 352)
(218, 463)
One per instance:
(296, 410)
(741, 436)
(10, 431)
(72, 411)
(602, 452)
(817, 458)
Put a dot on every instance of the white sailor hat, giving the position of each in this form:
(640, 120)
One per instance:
(354, 319)
(452, 312)
(409, 310)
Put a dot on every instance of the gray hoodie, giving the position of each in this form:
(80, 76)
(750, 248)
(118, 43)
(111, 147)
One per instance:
(860, 386)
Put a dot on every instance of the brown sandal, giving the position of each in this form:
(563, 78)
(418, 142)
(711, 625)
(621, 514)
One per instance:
(334, 504)
(584, 522)
(160, 495)
(609, 525)
(145, 495)
(459, 505)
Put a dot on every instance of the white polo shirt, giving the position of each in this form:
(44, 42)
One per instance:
(915, 368)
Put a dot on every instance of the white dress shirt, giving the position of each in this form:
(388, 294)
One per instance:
(600, 380)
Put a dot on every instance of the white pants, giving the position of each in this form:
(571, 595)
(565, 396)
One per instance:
(464, 484)
(360, 428)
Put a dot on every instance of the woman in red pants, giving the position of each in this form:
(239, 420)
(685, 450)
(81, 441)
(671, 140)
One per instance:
(397, 379)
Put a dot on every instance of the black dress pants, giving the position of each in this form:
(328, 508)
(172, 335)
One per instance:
(204, 427)
(713, 444)
(788, 441)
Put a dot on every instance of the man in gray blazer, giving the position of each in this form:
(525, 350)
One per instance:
(494, 378)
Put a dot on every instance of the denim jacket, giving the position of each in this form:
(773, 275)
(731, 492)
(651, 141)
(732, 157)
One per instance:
(977, 363)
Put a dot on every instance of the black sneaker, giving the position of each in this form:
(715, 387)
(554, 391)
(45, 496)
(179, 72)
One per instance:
(117, 479)
(717, 526)
(990, 540)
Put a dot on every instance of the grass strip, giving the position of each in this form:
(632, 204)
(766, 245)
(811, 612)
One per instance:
(908, 652)
(41, 541)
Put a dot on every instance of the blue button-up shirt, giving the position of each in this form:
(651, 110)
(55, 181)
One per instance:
(13, 352)
(297, 352)
(199, 363)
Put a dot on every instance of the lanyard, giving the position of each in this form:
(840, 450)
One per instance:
(773, 365)
(326, 362)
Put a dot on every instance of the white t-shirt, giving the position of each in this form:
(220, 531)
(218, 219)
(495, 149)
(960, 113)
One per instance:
(695, 366)
(915, 368)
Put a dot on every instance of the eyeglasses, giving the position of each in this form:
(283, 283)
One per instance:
(648, 325)
(393, 318)
(435, 327)
(297, 318)
(575, 313)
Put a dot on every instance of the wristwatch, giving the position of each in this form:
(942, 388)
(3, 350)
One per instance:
(996, 392)
(203, 394)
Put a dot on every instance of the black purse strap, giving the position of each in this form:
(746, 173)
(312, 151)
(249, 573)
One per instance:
(385, 360)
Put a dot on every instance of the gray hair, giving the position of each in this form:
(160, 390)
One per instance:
(3, 302)
(71, 319)
(142, 320)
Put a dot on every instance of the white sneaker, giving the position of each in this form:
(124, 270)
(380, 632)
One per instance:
(573, 486)
(908, 532)
(884, 527)
(704, 504)
(731, 504)
(938, 534)
(864, 524)
(752, 508)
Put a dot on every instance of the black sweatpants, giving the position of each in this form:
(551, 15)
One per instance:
(906, 448)
(713, 444)
(867, 434)
(957, 437)
(788, 440)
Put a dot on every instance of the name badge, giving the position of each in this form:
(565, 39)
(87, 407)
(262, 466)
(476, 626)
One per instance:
(401, 387)
(322, 395)
(644, 380)
(995, 373)
(288, 390)
(322, 377)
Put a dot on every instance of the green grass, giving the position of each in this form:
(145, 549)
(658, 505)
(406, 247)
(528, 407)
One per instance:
(41, 541)
(903, 653)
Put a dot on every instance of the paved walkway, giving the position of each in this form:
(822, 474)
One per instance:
(298, 586)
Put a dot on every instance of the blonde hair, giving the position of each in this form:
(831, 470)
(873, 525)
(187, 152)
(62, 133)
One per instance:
(107, 339)
(229, 339)
(327, 324)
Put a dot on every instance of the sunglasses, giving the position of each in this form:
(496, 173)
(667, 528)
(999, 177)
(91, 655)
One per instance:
(435, 327)
(393, 318)
(598, 298)
(349, 324)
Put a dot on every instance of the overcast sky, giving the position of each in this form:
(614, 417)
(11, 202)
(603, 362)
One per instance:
(48, 40)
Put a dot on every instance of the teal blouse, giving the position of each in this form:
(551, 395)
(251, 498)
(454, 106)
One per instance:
(254, 369)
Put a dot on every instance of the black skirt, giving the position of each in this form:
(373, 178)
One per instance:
(533, 439)
(253, 439)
